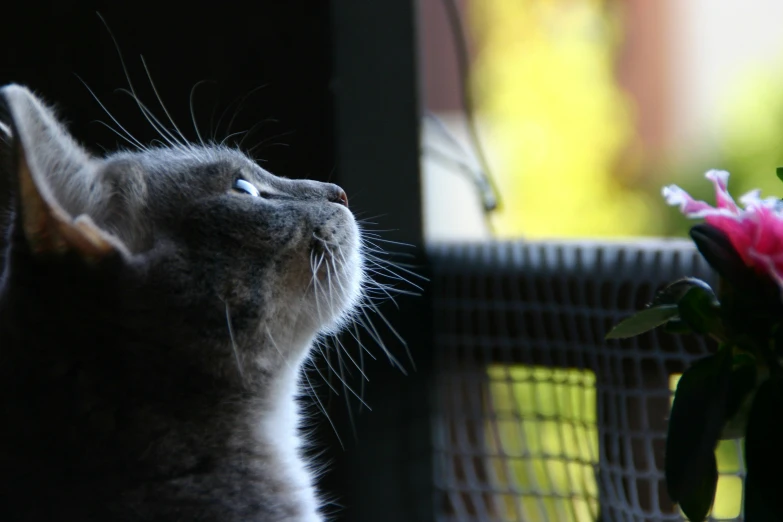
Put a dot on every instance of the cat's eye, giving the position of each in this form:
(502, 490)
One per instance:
(240, 185)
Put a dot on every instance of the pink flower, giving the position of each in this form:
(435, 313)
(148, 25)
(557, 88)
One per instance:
(755, 232)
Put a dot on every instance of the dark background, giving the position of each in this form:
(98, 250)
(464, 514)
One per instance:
(282, 49)
(329, 90)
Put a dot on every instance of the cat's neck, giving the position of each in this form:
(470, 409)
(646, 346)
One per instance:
(228, 411)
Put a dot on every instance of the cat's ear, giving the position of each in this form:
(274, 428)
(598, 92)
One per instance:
(53, 180)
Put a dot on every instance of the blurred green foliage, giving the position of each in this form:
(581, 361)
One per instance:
(558, 125)
(728, 497)
(561, 132)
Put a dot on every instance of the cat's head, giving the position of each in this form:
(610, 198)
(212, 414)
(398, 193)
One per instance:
(204, 223)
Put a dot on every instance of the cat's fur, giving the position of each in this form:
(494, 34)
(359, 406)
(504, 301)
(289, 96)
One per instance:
(153, 323)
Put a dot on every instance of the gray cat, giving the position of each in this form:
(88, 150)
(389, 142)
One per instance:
(156, 308)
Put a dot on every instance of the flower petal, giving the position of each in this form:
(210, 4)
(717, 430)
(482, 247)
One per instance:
(753, 199)
(720, 178)
(755, 231)
(768, 238)
(741, 233)
(675, 196)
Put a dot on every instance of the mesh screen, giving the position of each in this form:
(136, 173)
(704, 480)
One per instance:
(538, 418)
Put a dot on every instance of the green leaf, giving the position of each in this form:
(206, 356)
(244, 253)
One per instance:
(673, 292)
(699, 309)
(677, 326)
(739, 401)
(643, 321)
(695, 424)
(779, 172)
(697, 504)
(742, 382)
(764, 455)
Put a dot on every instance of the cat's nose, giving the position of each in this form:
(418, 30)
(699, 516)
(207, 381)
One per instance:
(338, 195)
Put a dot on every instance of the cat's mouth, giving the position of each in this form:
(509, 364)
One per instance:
(333, 243)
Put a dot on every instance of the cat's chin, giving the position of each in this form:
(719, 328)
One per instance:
(341, 316)
(336, 289)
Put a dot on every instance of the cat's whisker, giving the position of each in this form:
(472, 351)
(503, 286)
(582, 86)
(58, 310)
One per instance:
(348, 407)
(347, 354)
(160, 101)
(329, 276)
(241, 104)
(323, 241)
(378, 232)
(250, 131)
(362, 349)
(385, 263)
(318, 371)
(118, 133)
(370, 250)
(127, 136)
(393, 275)
(333, 281)
(212, 128)
(312, 276)
(193, 112)
(377, 237)
(383, 256)
(340, 377)
(330, 290)
(381, 268)
(170, 139)
(266, 141)
(149, 116)
(396, 264)
(396, 334)
(374, 291)
(216, 128)
(327, 349)
(371, 238)
(323, 409)
(357, 338)
(386, 290)
(316, 287)
(331, 257)
(228, 137)
(377, 286)
(376, 295)
(376, 336)
(389, 291)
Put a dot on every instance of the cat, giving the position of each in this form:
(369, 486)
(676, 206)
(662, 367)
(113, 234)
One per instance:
(156, 308)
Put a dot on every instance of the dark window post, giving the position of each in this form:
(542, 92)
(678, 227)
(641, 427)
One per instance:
(385, 472)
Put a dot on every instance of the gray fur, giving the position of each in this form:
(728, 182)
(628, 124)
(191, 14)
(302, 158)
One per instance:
(191, 337)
